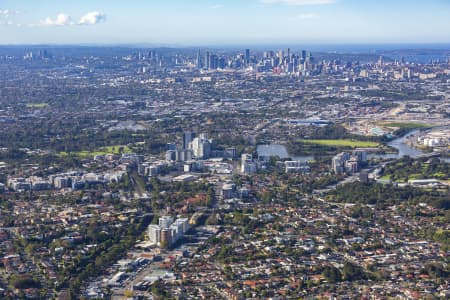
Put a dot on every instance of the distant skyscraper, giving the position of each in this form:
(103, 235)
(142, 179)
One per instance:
(222, 63)
(303, 56)
(268, 54)
(280, 54)
(309, 58)
(207, 60)
(199, 60)
(213, 62)
(380, 61)
(247, 56)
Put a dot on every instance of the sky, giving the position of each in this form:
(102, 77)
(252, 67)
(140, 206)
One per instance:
(222, 22)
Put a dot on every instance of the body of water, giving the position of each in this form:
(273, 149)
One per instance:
(399, 144)
(402, 148)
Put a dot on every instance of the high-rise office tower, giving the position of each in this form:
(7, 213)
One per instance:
(380, 61)
(201, 147)
(309, 58)
(199, 60)
(213, 62)
(187, 139)
(207, 60)
(269, 54)
(280, 55)
(247, 56)
(222, 63)
(303, 56)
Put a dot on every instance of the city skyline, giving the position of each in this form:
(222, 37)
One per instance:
(207, 22)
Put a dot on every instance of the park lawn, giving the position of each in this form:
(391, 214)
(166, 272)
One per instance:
(415, 176)
(343, 143)
(99, 151)
(440, 175)
(437, 175)
(115, 149)
(388, 178)
(407, 125)
(37, 105)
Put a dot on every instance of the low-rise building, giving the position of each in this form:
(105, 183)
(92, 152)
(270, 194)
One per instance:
(248, 166)
(296, 167)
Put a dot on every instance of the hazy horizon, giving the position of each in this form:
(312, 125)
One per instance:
(349, 47)
(219, 22)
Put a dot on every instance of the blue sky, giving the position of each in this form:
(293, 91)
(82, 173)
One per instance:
(216, 22)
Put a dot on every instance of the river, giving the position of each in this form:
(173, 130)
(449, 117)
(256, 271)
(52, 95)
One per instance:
(403, 148)
(400, 145)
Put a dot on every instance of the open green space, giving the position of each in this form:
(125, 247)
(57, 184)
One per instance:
(342, 143)
(37, 105)
(385, 177)
(409, 169)
(118, 149)
(407, 125)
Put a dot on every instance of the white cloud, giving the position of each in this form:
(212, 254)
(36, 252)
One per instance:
(7, 17)
(298, 2)
(9, 12)
(6, 13)
(60, 20)
(92, 18)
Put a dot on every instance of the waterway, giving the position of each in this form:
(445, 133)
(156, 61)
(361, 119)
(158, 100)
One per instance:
(403, 149)
(400, 144)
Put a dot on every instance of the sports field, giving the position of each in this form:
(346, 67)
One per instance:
(342, 143)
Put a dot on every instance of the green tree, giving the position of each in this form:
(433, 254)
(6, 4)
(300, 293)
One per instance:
(352, 272)
(332, 274)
